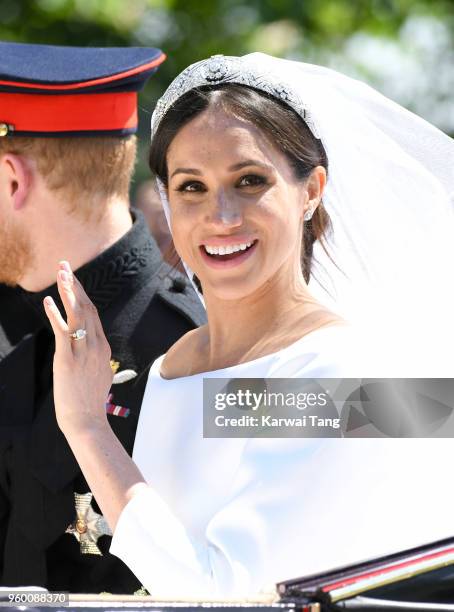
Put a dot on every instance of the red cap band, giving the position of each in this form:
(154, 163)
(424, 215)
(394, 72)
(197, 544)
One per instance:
(68, 113)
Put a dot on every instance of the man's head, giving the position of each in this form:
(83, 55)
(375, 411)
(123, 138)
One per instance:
(78, 170)
(68, 116)
(82, 176)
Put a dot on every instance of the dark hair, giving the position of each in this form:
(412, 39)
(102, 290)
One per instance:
(279, 123)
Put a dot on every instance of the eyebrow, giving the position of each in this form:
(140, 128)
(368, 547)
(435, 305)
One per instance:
(248, 162)
(186, 171)
(234, 168)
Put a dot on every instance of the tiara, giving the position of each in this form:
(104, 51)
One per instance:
(229, 69)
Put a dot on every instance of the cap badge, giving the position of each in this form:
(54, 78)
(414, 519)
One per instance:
(5, 129)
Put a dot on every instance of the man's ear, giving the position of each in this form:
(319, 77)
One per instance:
(17, 177)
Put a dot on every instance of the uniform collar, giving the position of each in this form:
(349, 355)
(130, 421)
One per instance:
(127, 264)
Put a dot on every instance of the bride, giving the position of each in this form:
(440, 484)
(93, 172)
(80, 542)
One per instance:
(299, 201)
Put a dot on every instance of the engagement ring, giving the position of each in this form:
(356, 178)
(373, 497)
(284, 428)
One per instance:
(79, 334)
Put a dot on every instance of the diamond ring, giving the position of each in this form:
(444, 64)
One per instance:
(79, 334)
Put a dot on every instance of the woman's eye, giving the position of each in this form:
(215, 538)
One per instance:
(251, 180)
(191, 187)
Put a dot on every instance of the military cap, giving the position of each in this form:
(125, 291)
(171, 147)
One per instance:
(48, 90)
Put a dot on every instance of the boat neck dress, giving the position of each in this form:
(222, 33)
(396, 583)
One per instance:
(231, 517)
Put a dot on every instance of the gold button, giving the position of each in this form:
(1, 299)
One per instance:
(81, 526)
(4, 129)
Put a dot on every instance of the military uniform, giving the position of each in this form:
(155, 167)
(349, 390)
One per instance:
(51, 532)
(16, 319)
(144, 308)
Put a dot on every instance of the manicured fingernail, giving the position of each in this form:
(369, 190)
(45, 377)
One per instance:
(48, 301)
(65, 266)
(63, 276)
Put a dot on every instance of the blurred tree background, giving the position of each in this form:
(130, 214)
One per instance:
(405, 48)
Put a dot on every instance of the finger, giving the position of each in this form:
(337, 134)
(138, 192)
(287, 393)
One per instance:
(92, 315)
(59, 327)
(73, 309)
(91, 308)
(95, 334)
(77, 315)
(80, 310)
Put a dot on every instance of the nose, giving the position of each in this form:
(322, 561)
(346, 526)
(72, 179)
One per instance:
(225, 210)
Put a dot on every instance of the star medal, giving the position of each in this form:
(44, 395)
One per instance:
(88, 526)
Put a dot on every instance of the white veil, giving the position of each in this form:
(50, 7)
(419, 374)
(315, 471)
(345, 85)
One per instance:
(390, 199)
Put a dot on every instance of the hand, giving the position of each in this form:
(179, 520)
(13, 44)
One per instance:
(82, 372)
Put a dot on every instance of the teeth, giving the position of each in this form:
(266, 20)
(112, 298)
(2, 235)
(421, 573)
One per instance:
(226, 250)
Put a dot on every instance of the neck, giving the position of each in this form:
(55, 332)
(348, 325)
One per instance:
(65, 236)
(273, 313)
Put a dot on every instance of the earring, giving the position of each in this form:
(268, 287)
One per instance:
(308, 214)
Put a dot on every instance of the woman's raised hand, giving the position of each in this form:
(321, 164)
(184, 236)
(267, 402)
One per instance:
(82, 372)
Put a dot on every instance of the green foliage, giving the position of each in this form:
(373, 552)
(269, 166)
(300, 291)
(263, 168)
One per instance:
(188, 30)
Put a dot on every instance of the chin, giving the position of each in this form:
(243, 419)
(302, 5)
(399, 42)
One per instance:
(234, 290)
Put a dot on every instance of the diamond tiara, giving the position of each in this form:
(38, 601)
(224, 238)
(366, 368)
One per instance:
(220, 69)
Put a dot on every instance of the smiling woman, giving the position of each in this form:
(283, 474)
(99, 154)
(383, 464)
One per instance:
(255, 114)
(237, 149)
(250, 201)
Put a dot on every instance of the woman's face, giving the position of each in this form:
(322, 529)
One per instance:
(236, 207)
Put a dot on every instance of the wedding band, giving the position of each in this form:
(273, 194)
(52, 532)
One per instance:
(79, 334)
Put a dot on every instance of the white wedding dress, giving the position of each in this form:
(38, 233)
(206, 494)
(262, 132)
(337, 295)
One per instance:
(229, 517)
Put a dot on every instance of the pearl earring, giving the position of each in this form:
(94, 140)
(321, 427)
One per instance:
(308, 214)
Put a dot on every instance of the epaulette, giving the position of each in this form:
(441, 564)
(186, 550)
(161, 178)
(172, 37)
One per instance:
(177, 291)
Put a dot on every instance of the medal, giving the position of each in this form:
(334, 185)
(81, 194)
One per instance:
(88, 526)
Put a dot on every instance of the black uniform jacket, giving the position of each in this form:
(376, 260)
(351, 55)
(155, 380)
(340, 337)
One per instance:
(144, 308)
(16, 319)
